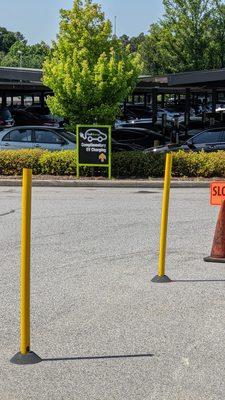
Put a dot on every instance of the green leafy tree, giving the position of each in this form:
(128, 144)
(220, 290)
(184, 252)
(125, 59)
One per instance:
(33, 56)
(189, 24)
(88, 69)
(217, 43)
(183, 39)
(134, 42)
(7, 39)
(155, 51)
(36, 55)
(2, 55)
(125, 40)
(12, 58)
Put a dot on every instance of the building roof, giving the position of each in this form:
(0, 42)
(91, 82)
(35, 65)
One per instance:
(21, 79)
(26, 80)
(204, 78)
(20, 74)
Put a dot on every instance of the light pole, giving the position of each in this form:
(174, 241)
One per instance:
(115, 26)
(21, 57)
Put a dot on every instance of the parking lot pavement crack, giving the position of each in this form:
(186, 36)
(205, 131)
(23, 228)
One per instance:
(7, 213)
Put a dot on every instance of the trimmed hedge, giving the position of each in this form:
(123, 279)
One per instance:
(137, 165)
(13, 161)
(124, 165)
(58, 163)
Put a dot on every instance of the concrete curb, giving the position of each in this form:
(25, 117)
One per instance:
(106, 184)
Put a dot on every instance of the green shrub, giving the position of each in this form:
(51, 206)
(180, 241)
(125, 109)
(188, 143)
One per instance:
(137, 165)
(200, 164)
(124, 164)
(12, 162)
(58, 162)
(187, 164)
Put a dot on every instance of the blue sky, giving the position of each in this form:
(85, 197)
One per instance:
(38, 19)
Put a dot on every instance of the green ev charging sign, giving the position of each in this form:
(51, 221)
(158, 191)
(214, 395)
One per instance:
(94, 147)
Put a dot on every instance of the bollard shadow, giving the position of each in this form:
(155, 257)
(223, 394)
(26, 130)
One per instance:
(108, 357)
(196, 280)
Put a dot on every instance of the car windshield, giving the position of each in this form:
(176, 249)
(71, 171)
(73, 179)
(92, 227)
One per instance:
(213, 136)
(68, 135)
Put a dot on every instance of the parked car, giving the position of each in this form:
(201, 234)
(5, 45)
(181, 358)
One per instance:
(38, 109)
(195, 126)
(140, 111)
(211, 139)
(22, 117)
(139, 136)
(6, 118)
(136, 111)
(50, 138)
(148, 125)
(170, 115)
(179, 106)
(31, 137)
(44, 112)
(118, 147)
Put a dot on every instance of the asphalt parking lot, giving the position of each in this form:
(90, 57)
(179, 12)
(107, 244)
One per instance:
(102, 328)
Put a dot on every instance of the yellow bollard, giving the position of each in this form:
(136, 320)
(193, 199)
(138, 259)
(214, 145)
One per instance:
(161, 277)
(25, 356)
(25, 263)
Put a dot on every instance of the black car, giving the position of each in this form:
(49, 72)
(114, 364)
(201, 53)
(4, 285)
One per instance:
(137, 136)
(136, 111)
(45, 114)
(6, 118)
(23, 117)
(211, 139)
(38, 109)
(148, 125)
(119, 147)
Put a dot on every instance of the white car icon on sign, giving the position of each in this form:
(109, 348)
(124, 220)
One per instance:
(93, 135)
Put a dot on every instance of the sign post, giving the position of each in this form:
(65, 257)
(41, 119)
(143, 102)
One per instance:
(217, 193)
(93, 147)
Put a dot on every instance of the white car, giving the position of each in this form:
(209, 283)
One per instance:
(32, 137)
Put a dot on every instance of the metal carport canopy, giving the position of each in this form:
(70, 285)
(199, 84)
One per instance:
(205, 78)
(21, 81)
(20, 74)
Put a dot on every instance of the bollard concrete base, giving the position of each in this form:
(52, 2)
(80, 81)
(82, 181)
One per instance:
(214, 259)
(161, 279)
(25, 359)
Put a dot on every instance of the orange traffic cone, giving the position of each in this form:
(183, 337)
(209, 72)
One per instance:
(218, 247)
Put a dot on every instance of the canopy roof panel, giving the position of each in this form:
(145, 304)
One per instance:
(21, 80)
(29, 79)
(206, 78)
